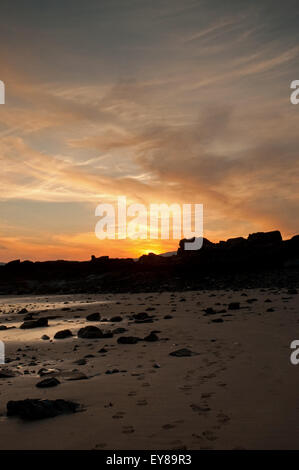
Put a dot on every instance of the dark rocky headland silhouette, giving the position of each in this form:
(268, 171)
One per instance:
(264, 259)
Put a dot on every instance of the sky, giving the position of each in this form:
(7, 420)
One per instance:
(161, 101)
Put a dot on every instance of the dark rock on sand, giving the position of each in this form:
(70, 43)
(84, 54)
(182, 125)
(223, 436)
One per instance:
(142, 317)
(128, 340)
(63, 334)
(28, 317)
(94, 317)
(209, 311)
(33, 409)
(45, 337)
(151, 337)
(34, 323)
(113, 371)
(234, 306)
(81, 362)
(116, 319)
(76, 376)
(51, 382)
(90, 332)
(43, 371)
(184, 352)
(22, 311)
(118, 331)
(6, 374)
(108, 334)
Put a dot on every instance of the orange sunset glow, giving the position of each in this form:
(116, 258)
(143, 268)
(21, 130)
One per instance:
(190, 106)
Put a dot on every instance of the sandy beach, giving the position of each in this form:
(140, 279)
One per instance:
(235, 390)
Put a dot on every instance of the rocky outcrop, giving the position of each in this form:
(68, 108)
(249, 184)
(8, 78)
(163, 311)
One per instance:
(261, 259)
(264, 238)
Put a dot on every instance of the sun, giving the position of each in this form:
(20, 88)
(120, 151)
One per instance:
(147, 252)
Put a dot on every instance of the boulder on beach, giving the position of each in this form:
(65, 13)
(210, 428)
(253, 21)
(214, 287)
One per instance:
(63, 334)
(184, 352)
(119, 331)
(90, 332)
(209, 311)
(33, 409)
(94, 317)
(74, 375)
(6, 374)
(40, 322)
(28, 317)
(128, 340)
(234, 305)
(23, 311)
(142, 317)
(151, 337)
(46, 383)
(116, 319)
(44, 371)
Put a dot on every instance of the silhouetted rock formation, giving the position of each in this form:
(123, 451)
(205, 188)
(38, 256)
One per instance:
(263, 259)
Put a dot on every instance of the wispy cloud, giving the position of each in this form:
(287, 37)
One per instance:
(169, 102)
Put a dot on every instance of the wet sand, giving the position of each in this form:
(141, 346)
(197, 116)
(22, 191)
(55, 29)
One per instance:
(238, 392)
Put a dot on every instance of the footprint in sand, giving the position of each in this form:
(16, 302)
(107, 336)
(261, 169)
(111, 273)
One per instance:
(128, 430)
(186, 387)
(202, 408)
(101, 445)
(168, 426)
(221, 384)
(209, 435)
(132, 394)
(142, 402)
(180, 447)
(145, 384)
(223, 418)
(119, 415)
(176, 443)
